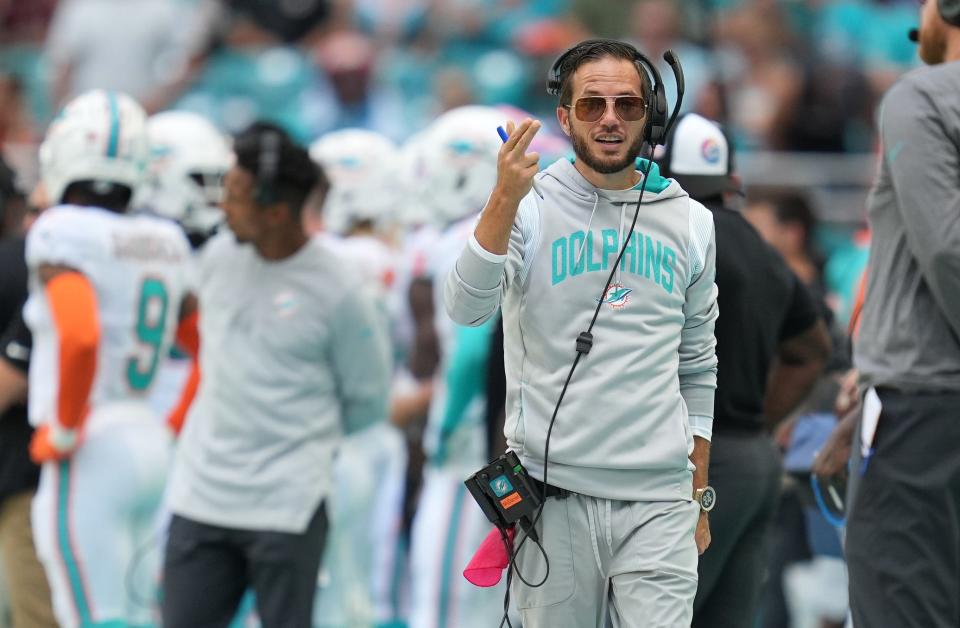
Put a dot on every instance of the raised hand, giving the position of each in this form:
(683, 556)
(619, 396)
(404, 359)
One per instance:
(516, 167)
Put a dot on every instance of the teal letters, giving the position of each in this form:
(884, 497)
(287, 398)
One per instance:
(610, 248)
(644, 256)
(653, 260)
(576, 253)
(592, 266)
(559, 260)
(669, 261)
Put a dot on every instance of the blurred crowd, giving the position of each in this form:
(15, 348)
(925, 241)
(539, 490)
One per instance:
(795, 75)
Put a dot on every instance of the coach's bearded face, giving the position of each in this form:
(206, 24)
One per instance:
(609, 144)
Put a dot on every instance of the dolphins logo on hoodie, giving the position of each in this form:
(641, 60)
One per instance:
(617, 296)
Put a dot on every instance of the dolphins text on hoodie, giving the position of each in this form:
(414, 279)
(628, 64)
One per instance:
(622, 431)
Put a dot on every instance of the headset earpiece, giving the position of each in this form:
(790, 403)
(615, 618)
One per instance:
(950, 11)
(657, 123)
(268, 163)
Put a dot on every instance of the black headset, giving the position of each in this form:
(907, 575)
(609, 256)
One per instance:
(268, 163)
(659, 119)
(950, 11)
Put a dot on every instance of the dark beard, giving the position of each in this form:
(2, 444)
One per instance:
(933, 47)
(582, 151)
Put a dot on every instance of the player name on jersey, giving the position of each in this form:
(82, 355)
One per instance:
(145, 247)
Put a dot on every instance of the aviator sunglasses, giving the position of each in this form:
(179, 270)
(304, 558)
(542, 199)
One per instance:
(592, 108)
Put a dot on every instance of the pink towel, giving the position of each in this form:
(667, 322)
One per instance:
(491, 558)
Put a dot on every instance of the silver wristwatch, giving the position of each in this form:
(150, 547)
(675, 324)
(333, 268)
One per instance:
(706, 497)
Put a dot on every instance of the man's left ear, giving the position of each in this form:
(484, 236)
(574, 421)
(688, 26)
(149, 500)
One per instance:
(563, 117)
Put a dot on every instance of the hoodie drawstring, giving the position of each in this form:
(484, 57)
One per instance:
(623, 214)
(596, 201)
(608, 516)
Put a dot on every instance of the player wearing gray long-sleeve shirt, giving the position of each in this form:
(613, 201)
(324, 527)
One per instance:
(903, 532)
(910, 326)
(297, 359)
(292, 355)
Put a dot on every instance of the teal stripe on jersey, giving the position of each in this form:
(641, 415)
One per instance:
(114, 141)
(465, 379)
(446, 577)
(66, 551)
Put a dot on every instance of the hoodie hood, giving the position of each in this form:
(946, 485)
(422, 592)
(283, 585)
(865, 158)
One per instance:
(658, 188)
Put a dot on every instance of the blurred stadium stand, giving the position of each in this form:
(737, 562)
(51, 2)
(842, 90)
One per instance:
(796, 81)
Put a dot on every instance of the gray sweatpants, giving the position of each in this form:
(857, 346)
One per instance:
(633, 561)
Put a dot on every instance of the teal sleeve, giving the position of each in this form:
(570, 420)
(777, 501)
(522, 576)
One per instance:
(465, 377)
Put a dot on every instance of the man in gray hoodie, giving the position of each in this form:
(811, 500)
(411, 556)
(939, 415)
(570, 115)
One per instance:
(629, 449)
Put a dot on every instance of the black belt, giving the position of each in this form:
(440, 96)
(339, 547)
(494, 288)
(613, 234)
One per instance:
(914, 392)
(551, 490)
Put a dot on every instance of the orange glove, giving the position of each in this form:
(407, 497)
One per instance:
(178, 415)
(188, 339)
(53, 443)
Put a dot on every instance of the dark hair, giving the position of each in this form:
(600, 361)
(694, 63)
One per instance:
(296, 175)
(594, 51)
(105, 195)
(11, 200)
(790, 207)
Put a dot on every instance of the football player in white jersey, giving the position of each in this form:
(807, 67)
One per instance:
(189, 157)
(359, 579)
(105, 292)
(359, 211)
(449, 526)
(421, 230)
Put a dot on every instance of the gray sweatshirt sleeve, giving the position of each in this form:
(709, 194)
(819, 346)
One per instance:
(476, 284)
(360, 360)
(698, 357)
(920, 142)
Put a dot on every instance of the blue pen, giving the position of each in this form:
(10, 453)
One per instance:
(503, 136)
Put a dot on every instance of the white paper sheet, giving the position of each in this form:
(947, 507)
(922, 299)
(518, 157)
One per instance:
(868, 425)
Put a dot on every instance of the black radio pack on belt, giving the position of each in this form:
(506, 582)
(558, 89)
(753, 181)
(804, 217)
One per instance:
(506, 493)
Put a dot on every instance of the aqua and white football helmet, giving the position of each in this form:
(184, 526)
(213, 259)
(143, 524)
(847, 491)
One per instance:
(361, 166)
(188, 160)
(461, 155)
(99, 136)
(412, 180)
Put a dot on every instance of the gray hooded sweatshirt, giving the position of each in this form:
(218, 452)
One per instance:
(623, 430)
